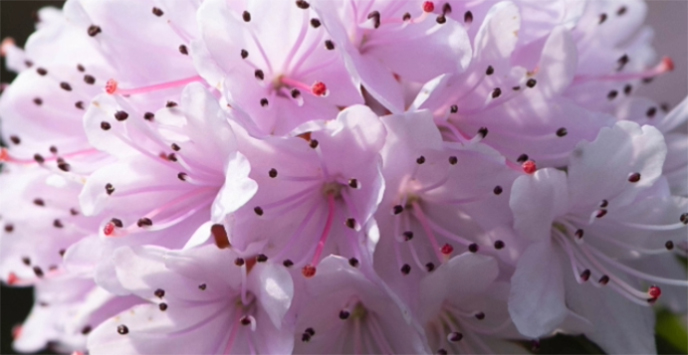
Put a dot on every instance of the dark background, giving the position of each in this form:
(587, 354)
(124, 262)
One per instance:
(16, 21)
(669, 18)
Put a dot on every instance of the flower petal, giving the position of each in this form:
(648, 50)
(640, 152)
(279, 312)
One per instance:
(536, 302)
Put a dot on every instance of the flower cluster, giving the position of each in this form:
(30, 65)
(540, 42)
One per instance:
(321, 176)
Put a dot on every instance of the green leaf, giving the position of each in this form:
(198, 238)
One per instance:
(671, 334)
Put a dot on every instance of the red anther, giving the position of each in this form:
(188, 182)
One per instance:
(428, 6)
(319, 89)
(4, 156)
(16, 331)
(111, 86)
(109, 229)
(308, 271)
(529, 167)
(654, 292)
(668, 63)
(6, 43)
(12, 279)
(446, 249)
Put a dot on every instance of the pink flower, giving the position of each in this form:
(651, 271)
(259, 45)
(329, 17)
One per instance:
(193, 308)
(377, 37)
(315, 198)
(347, 312)
(461, 305)
(275, 61)
(590, 220)
(340, 177)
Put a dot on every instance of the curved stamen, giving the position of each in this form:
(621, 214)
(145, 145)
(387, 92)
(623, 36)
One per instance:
(615, 280)
(460, 136)
(112, 86)
(666, 65)
(656, 227)
(418, 213)
(574, 265)
(5, 156)
(325, 232)
(298, 232)
(232, 334)
(623, 288)
(447, 233)
(636, 273)
(378, 335)
(433, 186)
(291, 200)
(299, 41)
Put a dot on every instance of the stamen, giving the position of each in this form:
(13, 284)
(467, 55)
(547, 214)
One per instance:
(468, 17)
(375, 16)
(319, 89)
(344, 314)
(634, 177)
(418, 213)
(405, 269)
(112, 86)
(454, 337)
(529, 167)
(666, 65)
(309, 270)
(603, 17)
(634, 272)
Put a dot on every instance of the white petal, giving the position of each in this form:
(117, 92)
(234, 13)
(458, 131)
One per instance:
(536, 200)
(601, 169)
(238, 188)
(274, 288)
(558, 62)
(536, 302)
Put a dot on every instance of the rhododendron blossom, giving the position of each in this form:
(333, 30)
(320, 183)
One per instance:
(317, 176)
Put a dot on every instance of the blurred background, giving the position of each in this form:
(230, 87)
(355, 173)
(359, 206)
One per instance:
(669, 18)
(16, 21)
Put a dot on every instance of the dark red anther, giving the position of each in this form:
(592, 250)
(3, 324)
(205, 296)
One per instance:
(654, 292)
(109, 229)
(668, 63)
(308, 271)
(12, 279)
(111, 86)
(529, 167)
(319, 89)
(220, 236)
(447, 249)
(428, 6)
(635, 177)
(405, 269)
